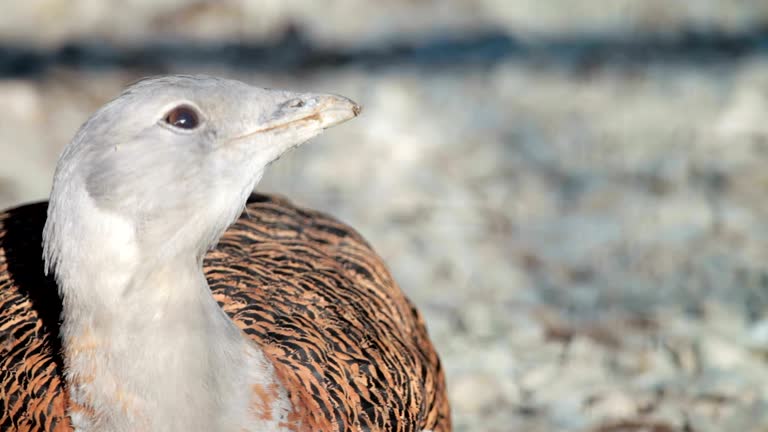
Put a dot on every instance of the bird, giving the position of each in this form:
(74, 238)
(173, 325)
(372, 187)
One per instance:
(156, 291)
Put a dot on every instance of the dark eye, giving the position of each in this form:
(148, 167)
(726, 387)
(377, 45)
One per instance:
(183, 117)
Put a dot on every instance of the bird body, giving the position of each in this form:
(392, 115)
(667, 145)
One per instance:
(292, 323)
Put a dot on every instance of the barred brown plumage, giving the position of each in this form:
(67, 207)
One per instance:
(348, 346)
(292, 323)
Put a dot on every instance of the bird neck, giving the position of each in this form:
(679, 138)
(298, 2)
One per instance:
(146, 346)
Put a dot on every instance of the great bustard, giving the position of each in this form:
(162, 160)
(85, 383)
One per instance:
(291, 323)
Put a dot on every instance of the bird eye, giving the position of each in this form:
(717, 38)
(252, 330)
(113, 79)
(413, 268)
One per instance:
(183, 117)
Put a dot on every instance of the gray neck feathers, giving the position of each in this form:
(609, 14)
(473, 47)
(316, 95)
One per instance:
(141, 325)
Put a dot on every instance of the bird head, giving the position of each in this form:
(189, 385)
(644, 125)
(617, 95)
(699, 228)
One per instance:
(174, 158)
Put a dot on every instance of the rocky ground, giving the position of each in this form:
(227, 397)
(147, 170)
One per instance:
(587, 242)
(355, 22)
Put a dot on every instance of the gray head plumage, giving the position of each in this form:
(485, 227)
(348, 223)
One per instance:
(178, 185)
(149, 182)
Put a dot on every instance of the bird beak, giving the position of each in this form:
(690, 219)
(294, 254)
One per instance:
(292, 119)
(306, 115)
(331, 109)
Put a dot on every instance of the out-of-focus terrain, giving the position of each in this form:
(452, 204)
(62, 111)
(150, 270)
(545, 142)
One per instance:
(587, 238)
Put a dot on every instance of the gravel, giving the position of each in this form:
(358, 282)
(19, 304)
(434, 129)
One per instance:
(587, 245)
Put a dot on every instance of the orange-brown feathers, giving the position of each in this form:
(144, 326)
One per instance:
(351, 350)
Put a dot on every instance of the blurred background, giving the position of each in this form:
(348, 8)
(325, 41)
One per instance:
(572, 191)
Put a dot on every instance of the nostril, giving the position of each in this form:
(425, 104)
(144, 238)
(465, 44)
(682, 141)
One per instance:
(296, 103)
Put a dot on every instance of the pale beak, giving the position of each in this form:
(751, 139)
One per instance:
(332, 109)
(315, 111)
(295, 119)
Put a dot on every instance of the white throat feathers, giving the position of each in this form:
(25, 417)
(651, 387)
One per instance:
(146, 187)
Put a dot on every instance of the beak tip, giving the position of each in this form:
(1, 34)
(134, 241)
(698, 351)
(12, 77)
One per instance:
(356, 109)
